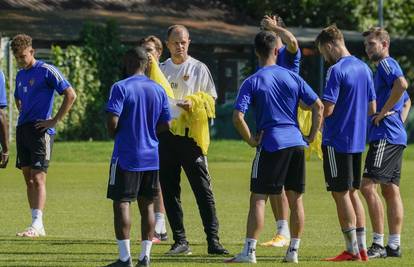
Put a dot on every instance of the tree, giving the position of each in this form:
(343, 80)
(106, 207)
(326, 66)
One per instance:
(91, 69)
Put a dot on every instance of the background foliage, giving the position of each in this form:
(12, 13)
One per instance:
(91, 69)
(347, 14)
(93, 66)
(79, 68)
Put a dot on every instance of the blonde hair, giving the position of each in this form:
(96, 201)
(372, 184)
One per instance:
(330, 34)
(151, 38)
(379, 33)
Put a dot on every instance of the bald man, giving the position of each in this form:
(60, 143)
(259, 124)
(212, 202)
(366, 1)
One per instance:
(187, 76)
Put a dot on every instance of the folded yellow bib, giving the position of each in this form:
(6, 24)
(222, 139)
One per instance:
(196, 120)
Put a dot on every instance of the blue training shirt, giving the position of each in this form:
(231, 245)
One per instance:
(391, 127)
(3, 95)
(140, 104)
(274, 92)
(350, 87)
(35, 88)
(288, 60)
(400, 104)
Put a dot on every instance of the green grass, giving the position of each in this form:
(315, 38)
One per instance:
(78, 217)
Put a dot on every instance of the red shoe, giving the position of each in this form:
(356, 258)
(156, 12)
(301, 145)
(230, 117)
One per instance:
(344, 256)
(363, 254)
(155, 240)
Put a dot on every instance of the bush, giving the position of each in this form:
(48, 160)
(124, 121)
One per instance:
(91, 69)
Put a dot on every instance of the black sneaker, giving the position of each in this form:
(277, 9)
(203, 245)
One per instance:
(214, 247)
(164, 236)
(120, 263)
(393, 252)
(180, 248)
(161, 236)
(144, 262)
(376, 251)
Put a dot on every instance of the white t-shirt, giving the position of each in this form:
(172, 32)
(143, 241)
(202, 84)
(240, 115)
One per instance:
(189, 77)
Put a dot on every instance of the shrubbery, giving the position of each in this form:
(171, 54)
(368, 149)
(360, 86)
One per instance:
(91, 69)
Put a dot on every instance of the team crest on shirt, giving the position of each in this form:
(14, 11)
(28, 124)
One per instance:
(32, 81)
(186, 77)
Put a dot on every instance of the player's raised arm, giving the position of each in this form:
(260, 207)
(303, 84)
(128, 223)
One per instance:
(275, 24)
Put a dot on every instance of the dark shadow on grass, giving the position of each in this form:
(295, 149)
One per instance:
(60, 262)
(57, 241)
(56, 253)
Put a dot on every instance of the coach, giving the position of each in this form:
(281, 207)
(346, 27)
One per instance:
(187, 76)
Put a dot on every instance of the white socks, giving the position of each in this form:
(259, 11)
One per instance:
(294, 244)
(145, 249)
(124, 249)
(394, 241)
(351, 240)
(282, 228)
(249, 247)
(378, 239)
(37, 219)
(160, 223)
(361, 238)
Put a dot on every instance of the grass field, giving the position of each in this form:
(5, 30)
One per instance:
(78, 217)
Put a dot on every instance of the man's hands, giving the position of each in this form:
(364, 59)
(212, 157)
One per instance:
(149, 64)
(377, 118)
(309, 138)
(186, 105)
(270, 23)
(46, 124)
(256, 140)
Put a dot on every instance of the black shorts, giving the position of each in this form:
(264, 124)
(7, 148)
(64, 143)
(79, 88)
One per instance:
(383, 162)
(271, 171)
(34, 147)
(129, 185)
(342, 170)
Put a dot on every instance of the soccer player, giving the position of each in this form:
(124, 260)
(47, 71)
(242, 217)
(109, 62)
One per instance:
(187, 76)
(275, 93)
(137, 110)
(348, 98)
(4, 130)
(153, 45)
(387, 140)
(36, 83)
(288, 57)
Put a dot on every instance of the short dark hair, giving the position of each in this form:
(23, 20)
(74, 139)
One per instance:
(134, 60)
(176, 27)
(265, 43)
(20, 42)
(151, 38)
(379, 33)
(330, 34)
